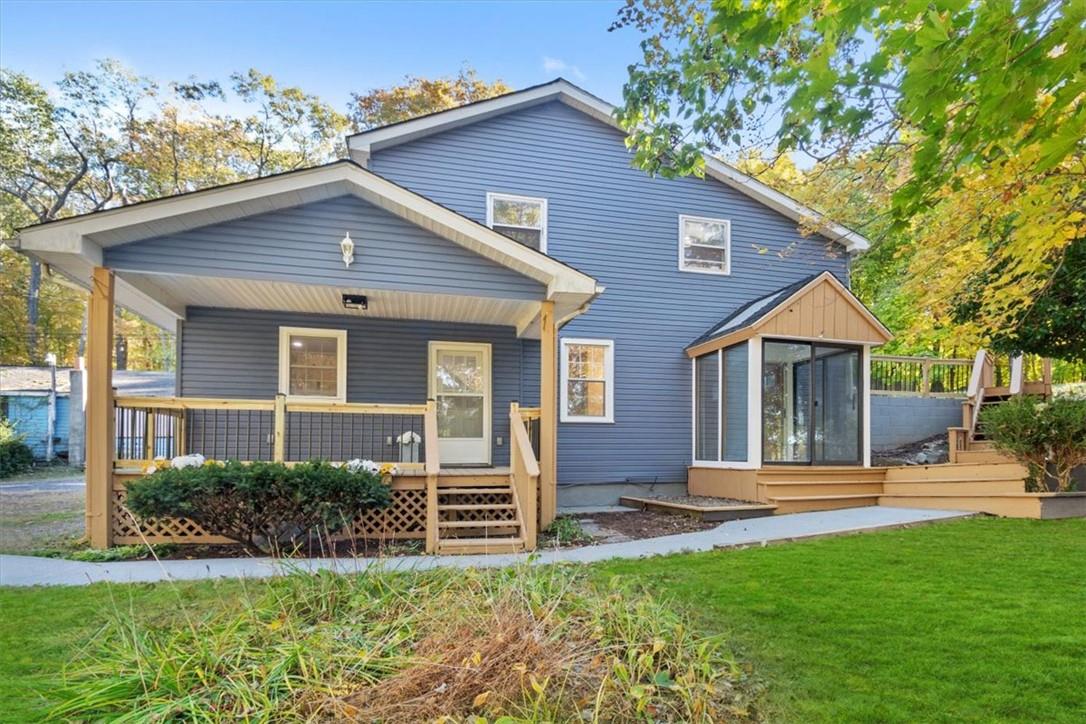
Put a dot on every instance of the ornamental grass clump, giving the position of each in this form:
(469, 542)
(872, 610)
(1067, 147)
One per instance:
(527, 644)
(1049, 438)
(266, 507)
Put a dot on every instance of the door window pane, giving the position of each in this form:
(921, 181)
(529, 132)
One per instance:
(836, 405)
(460, 416)
(459, 372)
(707, 402)
(786, 402)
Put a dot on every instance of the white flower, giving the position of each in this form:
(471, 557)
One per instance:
(358, 465)
(409, 438)
(150, 469)
(187, 461)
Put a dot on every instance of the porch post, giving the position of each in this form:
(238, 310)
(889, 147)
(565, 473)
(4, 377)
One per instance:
(99, 416)
(548, 417)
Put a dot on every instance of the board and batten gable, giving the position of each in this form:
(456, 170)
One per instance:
(234, 353)
(301, 244)
(621, 226)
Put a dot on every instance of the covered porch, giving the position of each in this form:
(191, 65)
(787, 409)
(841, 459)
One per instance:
(329, 314)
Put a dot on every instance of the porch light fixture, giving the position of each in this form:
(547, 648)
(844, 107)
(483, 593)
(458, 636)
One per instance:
(356, 301)
(347, 247)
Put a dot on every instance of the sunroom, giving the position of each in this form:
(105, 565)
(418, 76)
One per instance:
(328, 313)
(783, 381)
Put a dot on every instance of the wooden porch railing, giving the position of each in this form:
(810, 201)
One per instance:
(277, 430)
(524, 473)
(923, 376)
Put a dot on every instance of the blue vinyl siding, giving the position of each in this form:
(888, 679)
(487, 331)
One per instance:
(235, 353)
(619, 225)
(301, 244)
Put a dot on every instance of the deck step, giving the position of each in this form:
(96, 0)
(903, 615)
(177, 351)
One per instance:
(491, 490)
(486, 506)
(806, 503)
(466, 546)
(477, 524)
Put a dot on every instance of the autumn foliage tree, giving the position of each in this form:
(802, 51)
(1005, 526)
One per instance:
(966, 119)
(419, 96)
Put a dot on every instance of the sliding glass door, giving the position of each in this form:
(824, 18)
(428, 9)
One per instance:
(810, 403)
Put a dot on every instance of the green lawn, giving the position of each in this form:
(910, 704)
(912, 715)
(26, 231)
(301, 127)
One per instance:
(978, 619)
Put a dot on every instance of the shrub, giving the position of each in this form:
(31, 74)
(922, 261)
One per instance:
(263, 506)
(1048, 437)
(15, 456)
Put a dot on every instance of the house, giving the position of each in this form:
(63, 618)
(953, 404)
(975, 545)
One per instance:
(25, 400)
(493, 297)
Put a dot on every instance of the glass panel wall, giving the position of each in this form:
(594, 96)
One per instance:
(707, 406)
(786, 402)
(720, 425)
(810, 403)
(736, 388)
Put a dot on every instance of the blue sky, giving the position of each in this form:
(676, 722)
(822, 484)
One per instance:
(327, 48)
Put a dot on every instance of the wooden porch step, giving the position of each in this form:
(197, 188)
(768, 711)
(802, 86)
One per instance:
(468, 546)
(807, 503)
(475, 491)
(486, 506)
(478, 524)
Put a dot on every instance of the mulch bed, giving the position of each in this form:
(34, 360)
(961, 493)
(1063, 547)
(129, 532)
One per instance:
(701, 501)
(640, 524)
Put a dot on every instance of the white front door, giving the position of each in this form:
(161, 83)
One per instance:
(460, 384)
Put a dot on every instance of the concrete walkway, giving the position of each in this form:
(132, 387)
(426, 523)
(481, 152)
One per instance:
(31, 571)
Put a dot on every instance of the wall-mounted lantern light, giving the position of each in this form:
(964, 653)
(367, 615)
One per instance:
(347, 247)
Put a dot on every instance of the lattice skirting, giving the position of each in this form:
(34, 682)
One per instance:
(405, 518)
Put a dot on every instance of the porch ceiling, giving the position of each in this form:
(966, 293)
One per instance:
(184, 291)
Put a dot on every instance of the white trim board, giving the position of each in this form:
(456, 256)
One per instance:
(362, 145)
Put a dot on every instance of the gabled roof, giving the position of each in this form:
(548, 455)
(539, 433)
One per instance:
(817, 307)
(74, 245)
(362, 145)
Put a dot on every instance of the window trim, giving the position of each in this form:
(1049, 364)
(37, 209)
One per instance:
(492, 196)
(727, 270)
(609, 378)
(340, 335)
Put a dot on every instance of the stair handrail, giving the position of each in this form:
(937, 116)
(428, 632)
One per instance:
(980, 361)
(524, 474)
(432, 467)
(1017, 370)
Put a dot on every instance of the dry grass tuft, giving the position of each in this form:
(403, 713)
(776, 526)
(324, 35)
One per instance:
(529, 644)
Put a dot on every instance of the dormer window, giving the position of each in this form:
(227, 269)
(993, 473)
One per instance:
(705, 245)
(519, 217)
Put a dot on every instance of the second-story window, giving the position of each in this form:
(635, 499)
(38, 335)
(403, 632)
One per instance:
(520, 217)
(705, 245)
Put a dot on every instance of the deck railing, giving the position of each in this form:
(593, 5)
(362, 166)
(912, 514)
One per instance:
(524, 468)
(923, 376)
(277, 430)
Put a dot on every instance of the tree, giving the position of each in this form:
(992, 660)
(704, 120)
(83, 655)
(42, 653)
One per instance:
(419, 96)
(1053, 326)
(979, 105)
(108, 137)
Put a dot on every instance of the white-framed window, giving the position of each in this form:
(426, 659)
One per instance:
(520, 217)
(587, 380)
(705, 245)
(313, 364)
